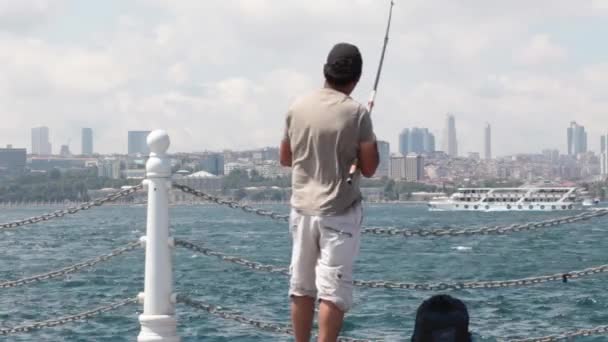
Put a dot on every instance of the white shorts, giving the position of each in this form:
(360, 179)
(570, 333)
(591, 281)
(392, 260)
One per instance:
(324, 251)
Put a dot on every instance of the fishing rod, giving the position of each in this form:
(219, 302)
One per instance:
(372, 98)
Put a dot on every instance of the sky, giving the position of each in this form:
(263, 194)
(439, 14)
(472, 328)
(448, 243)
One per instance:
(220, 74)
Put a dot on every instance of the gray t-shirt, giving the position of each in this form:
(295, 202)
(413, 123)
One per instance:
(324, 130)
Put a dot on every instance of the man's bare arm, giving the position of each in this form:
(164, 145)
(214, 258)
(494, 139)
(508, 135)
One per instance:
(368, 158)
(285, 153)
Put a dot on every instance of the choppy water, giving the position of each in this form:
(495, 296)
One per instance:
(523, 312)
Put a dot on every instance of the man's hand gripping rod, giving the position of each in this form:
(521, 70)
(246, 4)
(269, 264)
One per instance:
(372, 98)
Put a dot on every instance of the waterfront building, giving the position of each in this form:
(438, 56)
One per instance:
(384, 152)
(397, 166)
(137, 143)
(87, 142)
(414, 167)
(40, 141)
(12, 160)
(109, 168)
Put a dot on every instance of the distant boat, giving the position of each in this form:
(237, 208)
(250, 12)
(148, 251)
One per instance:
(509, 199)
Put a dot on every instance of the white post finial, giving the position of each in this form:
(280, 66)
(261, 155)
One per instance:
(158, 323)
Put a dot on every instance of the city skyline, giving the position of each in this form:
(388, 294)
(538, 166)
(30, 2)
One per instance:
(525, 69)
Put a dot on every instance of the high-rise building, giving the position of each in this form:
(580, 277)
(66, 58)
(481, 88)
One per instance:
(40, 141)
(137, 142)
(450, 142)
(414, 167)
(397, 167)
(488, 142)
(416, 140)
(87, 141)
(384, 151)
(212, 163)
(577, 139)
(12, 160)
(604, 143)
(404, 137)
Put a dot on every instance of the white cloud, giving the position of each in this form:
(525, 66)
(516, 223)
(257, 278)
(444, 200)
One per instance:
(540, 50)
(220, 74)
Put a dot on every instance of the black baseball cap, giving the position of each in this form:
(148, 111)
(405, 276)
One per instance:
(344, 64)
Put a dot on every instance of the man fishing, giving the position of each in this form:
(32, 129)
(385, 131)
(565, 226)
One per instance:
(325, 132)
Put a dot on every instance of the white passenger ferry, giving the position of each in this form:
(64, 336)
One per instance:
(509, 199)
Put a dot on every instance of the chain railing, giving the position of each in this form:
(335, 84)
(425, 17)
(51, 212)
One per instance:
(492, 284)
(253, 265)
(66, 319)
(231, 204)
(85, 206)
(601, 330)
(264, 326)
(71, 269)
(407, 233)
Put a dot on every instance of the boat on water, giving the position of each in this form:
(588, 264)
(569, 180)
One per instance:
(510, 199)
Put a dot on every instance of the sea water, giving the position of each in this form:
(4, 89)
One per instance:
(378, 313)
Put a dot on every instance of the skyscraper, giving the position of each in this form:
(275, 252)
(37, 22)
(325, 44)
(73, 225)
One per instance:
(404, 137)
(40, 141)
(384, 151)
(604, 143)
(416, 140)
(87, 141)
(414, 167)
(450, 142)
(577, 139)
(488, 142)
(137, 142)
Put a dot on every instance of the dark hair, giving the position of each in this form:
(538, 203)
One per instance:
(344, 65)
(442, 318)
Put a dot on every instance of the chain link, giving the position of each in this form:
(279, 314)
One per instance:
(400, 232)
(85, 206)
(601, 330)
(232, 259)
(473, 285)
(66, 319)
(231, 204)
(231, 315)
(70, 269)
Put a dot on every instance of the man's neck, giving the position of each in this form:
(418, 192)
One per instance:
(342, 90)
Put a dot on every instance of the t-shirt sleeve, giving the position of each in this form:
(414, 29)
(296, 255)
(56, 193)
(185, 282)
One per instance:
(366, 129)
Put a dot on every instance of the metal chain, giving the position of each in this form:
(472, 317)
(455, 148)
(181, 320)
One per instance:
(601, 330)
(487, 230)
(231, 204)
(400, 232)
(231, 315)
(563, 277)
(232, 259)
(85, 206)
(70, 269)
(66, 319)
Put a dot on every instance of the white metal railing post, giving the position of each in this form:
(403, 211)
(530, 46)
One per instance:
(158, 321)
